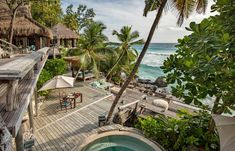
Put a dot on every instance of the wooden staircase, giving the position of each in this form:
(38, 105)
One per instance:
(7, 49)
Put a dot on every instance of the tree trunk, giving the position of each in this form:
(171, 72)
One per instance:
(83, 75)
(141, 56)
(213, 111)
(11, 29)
(116, 63)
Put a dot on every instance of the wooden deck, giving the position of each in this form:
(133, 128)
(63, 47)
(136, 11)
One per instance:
(60, 130)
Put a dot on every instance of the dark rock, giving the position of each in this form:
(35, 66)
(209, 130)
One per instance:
(144, 81)
(160, 82)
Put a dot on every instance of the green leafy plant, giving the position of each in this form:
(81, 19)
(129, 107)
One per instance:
(56, 66)
(44, 76)
(52, 68)
(77, 20)
(204, 61)
(188, 132)
(126, 54)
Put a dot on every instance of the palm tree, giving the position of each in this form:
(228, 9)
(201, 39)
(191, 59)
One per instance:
(127, 54)
(184, 9)
(91, 48)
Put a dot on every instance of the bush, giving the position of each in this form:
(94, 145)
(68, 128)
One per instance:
(44, 77)
(52, 68)
(56, 66)
(186, 133)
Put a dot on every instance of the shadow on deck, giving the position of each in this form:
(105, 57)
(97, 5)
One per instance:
(61, 130)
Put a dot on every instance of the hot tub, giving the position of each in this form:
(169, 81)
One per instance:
(118, 141)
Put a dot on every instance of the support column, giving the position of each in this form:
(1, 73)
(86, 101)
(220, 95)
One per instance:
(30, 112)
(36, 101)
(12, 95)
(58, 42)
(19, 140)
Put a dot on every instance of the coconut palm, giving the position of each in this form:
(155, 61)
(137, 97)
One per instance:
(127, 54)
(183, 7)
(91, 47)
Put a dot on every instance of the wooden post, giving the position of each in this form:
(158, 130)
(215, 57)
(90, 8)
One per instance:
(30, 112)
(54, 52)
(30, 74)
(19, 140)
(12, 95)
(83, 75)
(36, 101)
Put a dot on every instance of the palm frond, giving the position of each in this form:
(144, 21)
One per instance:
(151, 5)
(138, 42)
(184, 8)
(201, 6)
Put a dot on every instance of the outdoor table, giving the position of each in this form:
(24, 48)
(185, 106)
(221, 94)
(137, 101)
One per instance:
(73, 97)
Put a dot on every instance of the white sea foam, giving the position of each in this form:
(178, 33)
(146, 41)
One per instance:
(155, 59)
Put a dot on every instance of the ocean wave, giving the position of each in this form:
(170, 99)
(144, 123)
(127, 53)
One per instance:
(155, 59)
(151, 66)
(160, 53)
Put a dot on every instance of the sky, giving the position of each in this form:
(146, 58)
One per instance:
(118, 13)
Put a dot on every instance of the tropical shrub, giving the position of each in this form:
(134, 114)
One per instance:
(53, 67)
(187, 133)
(44, 76)
(56, 66)
(125, 54)
(204, 63)
(91, 48)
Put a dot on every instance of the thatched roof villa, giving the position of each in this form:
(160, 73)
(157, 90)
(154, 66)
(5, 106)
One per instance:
(64, 36)
(27, 32)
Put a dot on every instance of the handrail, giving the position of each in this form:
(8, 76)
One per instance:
(8, 48)
(14, 46)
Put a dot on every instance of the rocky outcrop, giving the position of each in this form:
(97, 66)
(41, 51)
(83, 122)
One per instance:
(160, 82)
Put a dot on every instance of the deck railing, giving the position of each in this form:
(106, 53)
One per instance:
(9, 49)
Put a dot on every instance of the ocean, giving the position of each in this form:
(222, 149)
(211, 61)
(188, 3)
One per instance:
(154, 58)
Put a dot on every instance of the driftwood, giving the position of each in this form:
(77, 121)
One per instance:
(127, 105)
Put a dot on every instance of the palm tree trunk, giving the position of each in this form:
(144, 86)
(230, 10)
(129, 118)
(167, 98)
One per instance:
(12, 26)
(133, 72)
(116, 63)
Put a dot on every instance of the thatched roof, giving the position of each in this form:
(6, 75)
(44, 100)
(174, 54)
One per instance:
(5, 11)
(60, 31)
(24, 25)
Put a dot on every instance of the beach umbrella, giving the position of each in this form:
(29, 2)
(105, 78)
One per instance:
(226, 128)
(58, 82)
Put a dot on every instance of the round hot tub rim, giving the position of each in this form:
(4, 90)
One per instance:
(134, 134)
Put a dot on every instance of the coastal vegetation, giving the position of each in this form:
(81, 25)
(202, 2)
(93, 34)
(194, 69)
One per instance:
(189, 132)
(77, 20)
(202, 67)
(183, 8)
(47, 13)
(53, 67)
(127, 54)
(91, 48)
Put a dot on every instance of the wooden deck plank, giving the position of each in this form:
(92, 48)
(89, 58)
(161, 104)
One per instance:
(73, 127)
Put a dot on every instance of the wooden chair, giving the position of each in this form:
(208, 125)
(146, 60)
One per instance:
(77, 95)
(65, 103)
